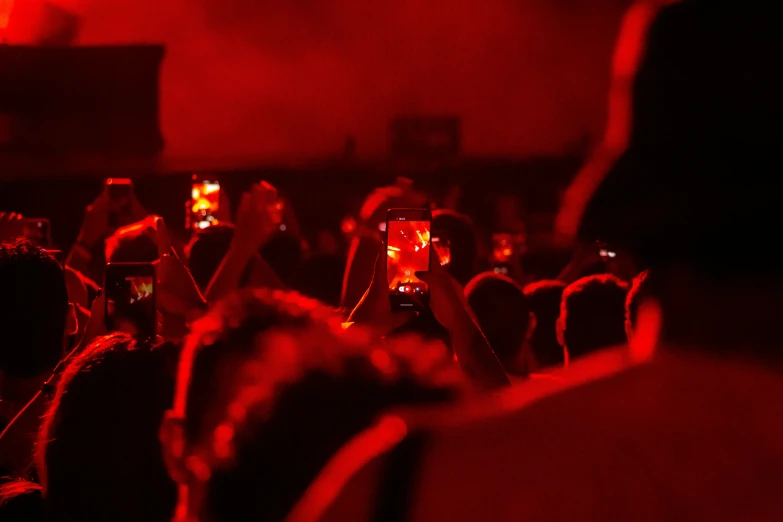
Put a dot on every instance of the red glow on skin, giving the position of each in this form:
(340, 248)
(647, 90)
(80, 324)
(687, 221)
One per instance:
(380, 359)
(386, 434)
(648, 330)
(222, 441)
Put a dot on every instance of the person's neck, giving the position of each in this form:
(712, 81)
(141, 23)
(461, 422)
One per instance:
(724, 317)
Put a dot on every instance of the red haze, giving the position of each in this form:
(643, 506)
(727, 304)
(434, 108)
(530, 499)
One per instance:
(263, 79)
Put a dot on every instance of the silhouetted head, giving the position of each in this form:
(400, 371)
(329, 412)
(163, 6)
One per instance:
(695, 184)
(285, 254)
(544, 298)
(207, 250)
(35, 316)
(503, 314)
(131, 244)
(592, 315)
(458, 229)
(21, 501)
(98, 453)
(270, 386)
(321, 277)
(687, 174)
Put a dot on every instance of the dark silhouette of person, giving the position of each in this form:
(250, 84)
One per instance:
(686, 424)
(592, 315)
(504, 315)
(544, 298)
(98, 454)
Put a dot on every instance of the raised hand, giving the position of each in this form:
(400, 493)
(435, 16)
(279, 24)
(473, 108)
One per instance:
(11, 226)
(374, 308)
(95, 225)
(258, 217)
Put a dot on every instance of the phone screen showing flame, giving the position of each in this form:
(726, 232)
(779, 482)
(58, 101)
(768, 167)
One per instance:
(130, 305)
(408, 252)
(205, 201)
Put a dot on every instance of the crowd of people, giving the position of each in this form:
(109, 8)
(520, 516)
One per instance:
(640, 384)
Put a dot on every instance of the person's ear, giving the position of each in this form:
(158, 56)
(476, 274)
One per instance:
(560, 330)
(647, 334)
(172, 441)
(531, 325)
(71, 322)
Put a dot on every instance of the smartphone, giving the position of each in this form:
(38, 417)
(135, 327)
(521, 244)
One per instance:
(506, 250)
(120, 192)
(205, 202)
(407, 252)
(442, 248)
(605, 253)
(38, 230)
(130, 299)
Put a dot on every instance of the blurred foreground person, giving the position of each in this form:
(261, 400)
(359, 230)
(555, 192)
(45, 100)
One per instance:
(687, 424)
(270, 387)
(98, 454)
(458, 230)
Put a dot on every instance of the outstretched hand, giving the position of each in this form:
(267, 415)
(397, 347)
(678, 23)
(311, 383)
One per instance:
(447, 297)
(11, 226)
(178, 294)
(258, 217)
(374, 308)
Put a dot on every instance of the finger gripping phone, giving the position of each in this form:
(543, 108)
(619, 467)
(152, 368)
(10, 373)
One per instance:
(130, 299)
(408, 245)
(205, 202)
(441, 247)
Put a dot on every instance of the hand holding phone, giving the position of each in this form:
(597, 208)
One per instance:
(259, 216)
(130, 299)
(204, 202)
(407, 252)
(442, 248)
(120, 194)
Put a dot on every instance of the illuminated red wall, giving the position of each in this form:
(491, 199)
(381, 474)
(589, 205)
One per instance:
(275, 78)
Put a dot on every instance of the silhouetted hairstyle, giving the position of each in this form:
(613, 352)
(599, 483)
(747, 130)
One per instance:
(98, 452)
(131, 248)
(320, 277)
(544, 298)
(21, 501)
(593, 314)
(306, 388)
(207, 251)
(33, 310)
(503, 314)
(285, 254)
